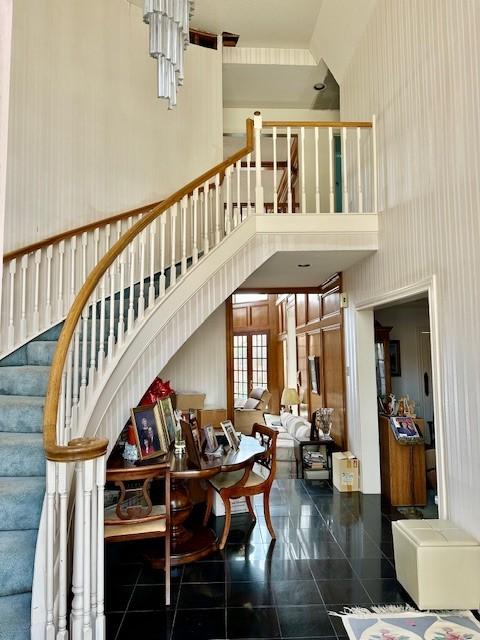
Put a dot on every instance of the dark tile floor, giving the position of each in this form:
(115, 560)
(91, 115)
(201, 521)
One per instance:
(332, 550)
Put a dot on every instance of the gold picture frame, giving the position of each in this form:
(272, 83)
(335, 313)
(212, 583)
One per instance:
(149, 431)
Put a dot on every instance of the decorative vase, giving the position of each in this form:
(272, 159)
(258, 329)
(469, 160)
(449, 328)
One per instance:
(324, 416)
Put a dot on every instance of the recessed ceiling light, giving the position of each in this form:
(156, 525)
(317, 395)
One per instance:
(319, 86)
(304, 266)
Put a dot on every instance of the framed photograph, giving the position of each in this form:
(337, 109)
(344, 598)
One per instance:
(168, 415)
(211, 442)
(404, 429)
(395, 364)
(313, 370)
(193, 451)
(272, 420)
(149, 433)
(230, 434)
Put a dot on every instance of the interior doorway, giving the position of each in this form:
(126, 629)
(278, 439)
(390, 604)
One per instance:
(405, 397)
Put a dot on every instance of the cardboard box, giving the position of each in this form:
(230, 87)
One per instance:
(238, 505)
(211, 416)
(345, 471)
(186, 401)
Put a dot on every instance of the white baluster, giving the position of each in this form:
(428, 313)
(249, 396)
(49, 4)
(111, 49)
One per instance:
(346, 203)
(217, 209)
(151, 287)
(206, 246)
(23, 314)
(63, 552)
(93, 332)
(101, 336)
(331, 169)
(61, 254)
(249, 185)
(375, 171)
(36, 312)
(73, 250)
(111, 332)
(141, 297)
(84, 328)
(12, 269)
(317, 174)
(121, 305)
(48, 296)
(76, 616)
(228, 217)
(161, 283)
(131, 290)
(211, 215)
(68, 394)
(302, 169)
(100, 608)
(51, 482)
(183, 232)
(119, 233)
(238, 217)
(259, 201)
(62, 409)
(87, 514)
(195, 226)
(76, 378)
(289, 169)
(173, 228)
(359, 170)
(275, 187)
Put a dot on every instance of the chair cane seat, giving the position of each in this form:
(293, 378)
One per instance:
(229, 479)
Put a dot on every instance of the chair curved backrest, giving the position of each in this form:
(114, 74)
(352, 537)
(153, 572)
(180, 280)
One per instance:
(268, 438)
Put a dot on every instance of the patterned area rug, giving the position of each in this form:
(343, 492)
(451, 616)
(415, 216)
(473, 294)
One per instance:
(385, 624)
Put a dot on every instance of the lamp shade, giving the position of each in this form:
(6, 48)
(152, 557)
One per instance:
(289, 397)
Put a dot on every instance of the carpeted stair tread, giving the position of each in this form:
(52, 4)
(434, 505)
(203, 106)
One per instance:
(41, 352)
(21, 502)
(15, 613)
(24, 381)
(17, 554)
(21, 414)
(21, 454)
(16, 358)
(50, 334)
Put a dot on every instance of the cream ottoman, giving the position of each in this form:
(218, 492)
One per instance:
(437, 563)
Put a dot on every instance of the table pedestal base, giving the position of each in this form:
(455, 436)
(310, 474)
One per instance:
(201, 543)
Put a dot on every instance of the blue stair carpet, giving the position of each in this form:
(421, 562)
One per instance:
(23, 384)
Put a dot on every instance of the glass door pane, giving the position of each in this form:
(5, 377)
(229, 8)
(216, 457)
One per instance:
(259, 360)
(240, 369)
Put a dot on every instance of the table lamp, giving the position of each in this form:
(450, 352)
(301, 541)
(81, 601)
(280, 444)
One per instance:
(289, 397)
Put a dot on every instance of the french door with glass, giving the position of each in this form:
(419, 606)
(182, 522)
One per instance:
(250, 364)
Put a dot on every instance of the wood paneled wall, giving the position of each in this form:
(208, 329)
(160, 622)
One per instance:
(319, 332)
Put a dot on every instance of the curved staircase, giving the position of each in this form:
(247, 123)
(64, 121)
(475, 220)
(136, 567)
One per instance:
(143, 299)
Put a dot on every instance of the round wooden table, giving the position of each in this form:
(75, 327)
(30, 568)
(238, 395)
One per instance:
(188, 544)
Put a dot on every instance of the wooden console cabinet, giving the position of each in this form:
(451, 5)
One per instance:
(403, 473)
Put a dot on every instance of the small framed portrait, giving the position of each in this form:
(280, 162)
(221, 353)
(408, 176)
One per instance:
(211, 442)
(191, 444)
(230, 434)
(149, 434)
(313, 369)
(395, 363)
(405, 429)
(168, 417)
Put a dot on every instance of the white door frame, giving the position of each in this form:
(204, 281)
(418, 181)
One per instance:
(428, 286)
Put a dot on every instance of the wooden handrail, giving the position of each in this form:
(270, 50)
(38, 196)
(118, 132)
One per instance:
(84, 448)
(325, 125)
(42, 244)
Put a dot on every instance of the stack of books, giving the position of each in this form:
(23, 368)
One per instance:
(315, 465)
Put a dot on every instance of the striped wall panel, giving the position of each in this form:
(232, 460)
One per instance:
(416, 68)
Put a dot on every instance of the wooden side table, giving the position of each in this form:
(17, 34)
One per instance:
(300, 444)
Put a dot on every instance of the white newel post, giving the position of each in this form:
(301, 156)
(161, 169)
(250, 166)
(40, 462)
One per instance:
(87, 547)
(50, 593)
(259, 198)
(63, 552)
(76, 616)
(99, 541)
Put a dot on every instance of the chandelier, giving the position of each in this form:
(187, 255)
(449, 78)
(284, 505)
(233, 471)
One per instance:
(168, 22)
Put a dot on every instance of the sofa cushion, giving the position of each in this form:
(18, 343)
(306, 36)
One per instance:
(296, 426)
(251, 403)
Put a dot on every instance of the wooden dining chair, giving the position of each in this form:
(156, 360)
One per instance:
(245, 483)
(131, 519)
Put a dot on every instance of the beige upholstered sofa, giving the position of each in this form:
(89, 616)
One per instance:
(252, 411)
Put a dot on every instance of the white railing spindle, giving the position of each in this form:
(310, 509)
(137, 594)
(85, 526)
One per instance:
(195, 227)
(238, 215)
(111, 311)
(161, 283)
(331, 169)
(317, 174)
(183, 234)
(101, 336)
(99, 541)
(346, 203)
(23, 316)
(249, 185)
(12, 269)
(131, 290)
(259, 196)
(217, 212)
(87, 498)
(173, 227)
(36, 312)
(48, 295)
(121, 304)
(76, 617)
(51, 485)
(63, 551)
(151, 287)
(206, 244)
(228, 216)
(141, 295)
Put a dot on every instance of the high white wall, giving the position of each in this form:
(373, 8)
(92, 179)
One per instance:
(201, 364)
(88, 137)
(416, 67)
